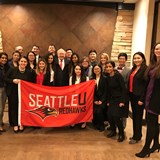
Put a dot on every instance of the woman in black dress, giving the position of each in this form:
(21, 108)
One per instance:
(13, 77)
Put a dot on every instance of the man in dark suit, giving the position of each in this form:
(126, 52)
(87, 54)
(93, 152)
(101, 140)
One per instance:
(36, 50)
(61, 69)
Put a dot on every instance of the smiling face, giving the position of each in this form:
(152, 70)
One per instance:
(122, 60)
(16, 57)
(31, 57)
(50, 59)
(51, 49)
(109, 68)
(77, 70)
(41, 65)
(61, 54)
(3, 59)
(22, 63)
(157, 51)
(85, 63)
(36, 50)
(92, 56)
(103, 59)
(97, 70)
(137, 60)
(74, 59)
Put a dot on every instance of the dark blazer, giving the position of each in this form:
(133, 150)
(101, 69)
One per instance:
(139, 83)
(154, 104)
(46, 81)
(14, 73)
(100, 92)
(117, 94)
(61, 76)
(117, 90)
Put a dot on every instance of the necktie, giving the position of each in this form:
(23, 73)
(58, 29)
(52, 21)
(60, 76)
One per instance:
(60, 63)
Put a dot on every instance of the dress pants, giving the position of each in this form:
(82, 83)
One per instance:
(2, 103)
(137, 112)
(13, 109)
(114, 117)
(98, 116)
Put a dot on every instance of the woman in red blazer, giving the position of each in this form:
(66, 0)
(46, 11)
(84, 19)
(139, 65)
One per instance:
(136, 89)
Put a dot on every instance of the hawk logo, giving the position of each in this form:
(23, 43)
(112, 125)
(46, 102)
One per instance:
(44, 112)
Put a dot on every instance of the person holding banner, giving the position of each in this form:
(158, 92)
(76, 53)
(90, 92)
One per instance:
(13, 77)
(77, 77)
(100, 97)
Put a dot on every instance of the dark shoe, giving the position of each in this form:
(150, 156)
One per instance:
(132, 141)
(120, 138)
(109, 128)
(130, 138)
(154, 148)
(101, 129)
(143, 153)
(111, 134)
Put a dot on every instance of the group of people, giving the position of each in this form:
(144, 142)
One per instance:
(115, 86)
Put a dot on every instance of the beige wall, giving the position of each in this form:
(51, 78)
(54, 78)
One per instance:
(1, 46)
(142, 27)
(158, 26)
(79, 27)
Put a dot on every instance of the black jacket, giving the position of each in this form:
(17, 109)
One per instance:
(100, 92)
(139, 83)
(62, 76)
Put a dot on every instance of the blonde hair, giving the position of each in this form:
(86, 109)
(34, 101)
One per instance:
(37, 67)
(106, 56)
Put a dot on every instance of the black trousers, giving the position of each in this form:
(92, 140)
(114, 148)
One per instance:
(98, 116)
(152, 130)
(137, 112)
(114, 117)
(13, 109)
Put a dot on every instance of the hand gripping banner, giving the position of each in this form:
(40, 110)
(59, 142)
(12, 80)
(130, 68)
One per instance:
(55, 106)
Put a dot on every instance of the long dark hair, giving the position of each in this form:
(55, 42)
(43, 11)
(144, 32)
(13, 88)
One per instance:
(143, 58)
(154, 63)
(48, 64)
(71, 64)
(83, 75)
